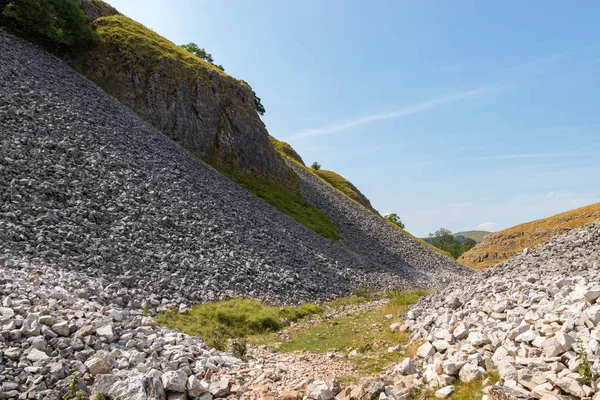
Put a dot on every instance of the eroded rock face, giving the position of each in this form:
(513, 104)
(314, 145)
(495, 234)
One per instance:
(205, 110)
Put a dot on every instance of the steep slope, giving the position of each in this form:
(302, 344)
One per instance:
(91, 187)
(345, 186)
(370, 236)
(186, 98)
(287, 151)
(527, 318)
(196, 104)
(499, 246)
(342, 185)
(334, 179)
(475, 235)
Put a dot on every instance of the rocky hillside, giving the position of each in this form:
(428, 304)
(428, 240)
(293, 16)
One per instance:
(535, 319)
(367, 234)
(345, 186)
(499, 246)
(188, 99)
(335, 180)
(91, 187)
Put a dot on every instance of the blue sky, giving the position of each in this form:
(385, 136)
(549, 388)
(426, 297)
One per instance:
(461, 114)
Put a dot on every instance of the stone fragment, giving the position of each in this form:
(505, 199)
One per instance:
(444, 392)
(406, 367)
(318, 390)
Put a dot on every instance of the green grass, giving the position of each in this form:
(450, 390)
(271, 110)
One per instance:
(286, 198)
(236, 318)
(287, 151)
(345, 186)
(136, 38)
(367, 332)
(464, 391)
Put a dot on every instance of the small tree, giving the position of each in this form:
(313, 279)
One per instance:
(198, 52)
(395, 219)
(258, 105)
(315, 166)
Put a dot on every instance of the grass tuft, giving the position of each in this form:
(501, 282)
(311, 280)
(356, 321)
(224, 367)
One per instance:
(235, 318)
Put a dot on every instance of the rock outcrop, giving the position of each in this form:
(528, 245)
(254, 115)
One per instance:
(499, 246)
(191, 101)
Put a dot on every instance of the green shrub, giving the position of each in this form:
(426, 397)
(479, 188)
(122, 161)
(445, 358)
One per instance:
(60, 22)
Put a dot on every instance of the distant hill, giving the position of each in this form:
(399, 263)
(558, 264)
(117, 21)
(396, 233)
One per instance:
(499, 246)
(475, 235)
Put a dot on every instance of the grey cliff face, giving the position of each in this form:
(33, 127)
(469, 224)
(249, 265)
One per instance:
(209, 113)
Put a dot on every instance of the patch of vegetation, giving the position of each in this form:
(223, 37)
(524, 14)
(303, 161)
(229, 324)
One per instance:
(395, 219)
(345, 186)
(260, 109)
(586, 373)
(315, 166)
(465, 391)
(287, 151)
(500, 246)
(73, 392)
(233, 319)
(239, 348)
(286, 198)
(136, 40)
(444, 239)
(201, 53)
(55, 22)
(366, 332)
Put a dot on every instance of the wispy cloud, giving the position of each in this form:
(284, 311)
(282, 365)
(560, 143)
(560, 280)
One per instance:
(402, 112)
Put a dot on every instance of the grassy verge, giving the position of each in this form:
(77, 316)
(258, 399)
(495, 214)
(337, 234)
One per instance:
(366, 332)
(236, 318)
(286, 198)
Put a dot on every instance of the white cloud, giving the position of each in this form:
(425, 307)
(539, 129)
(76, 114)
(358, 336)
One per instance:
(402, 112)
(487, 226)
